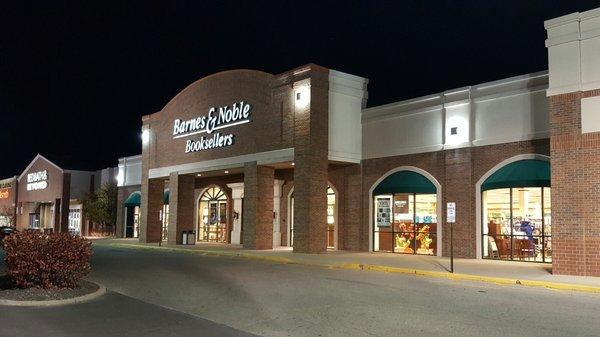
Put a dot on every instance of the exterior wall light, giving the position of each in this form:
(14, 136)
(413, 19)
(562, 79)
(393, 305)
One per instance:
(302, 96)
(145, 136)
(120, 177)
(226, 171)
(457, 130)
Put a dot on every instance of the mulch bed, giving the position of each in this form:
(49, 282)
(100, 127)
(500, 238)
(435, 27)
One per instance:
(9, 292)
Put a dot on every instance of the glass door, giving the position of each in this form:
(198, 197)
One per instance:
(34, 220)
(213, 216)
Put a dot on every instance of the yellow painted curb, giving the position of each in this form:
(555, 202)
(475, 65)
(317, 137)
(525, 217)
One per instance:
(245, 255)
(381, 268)
(469, 277)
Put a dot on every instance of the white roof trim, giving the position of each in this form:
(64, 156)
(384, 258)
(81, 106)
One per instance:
(34, 160)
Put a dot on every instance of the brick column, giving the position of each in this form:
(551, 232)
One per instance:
(458, 188)
(258, 206)
(150, 207)
(311, 148)
(574, 102)
(61, 206)
(181, 206)
(575, 165)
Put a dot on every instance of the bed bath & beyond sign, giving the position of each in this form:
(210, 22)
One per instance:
(216, 119)
(37, 180)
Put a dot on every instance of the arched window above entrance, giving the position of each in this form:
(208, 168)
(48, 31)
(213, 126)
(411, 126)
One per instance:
(212, 194)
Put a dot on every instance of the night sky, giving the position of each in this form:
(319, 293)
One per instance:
(76, 76)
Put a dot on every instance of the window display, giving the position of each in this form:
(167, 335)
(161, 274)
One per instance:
(517, 224)
(164, 216)
(406, 223)
(330, 218)
(75, 221)
(212, 222)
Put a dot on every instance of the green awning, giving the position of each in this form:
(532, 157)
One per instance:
(405, 182)
(166, 197)
(133, 200)
(522, 173)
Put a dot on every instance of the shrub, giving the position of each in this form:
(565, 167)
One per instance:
(56, 260)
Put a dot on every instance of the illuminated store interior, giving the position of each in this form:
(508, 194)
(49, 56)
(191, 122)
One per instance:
(517, 221)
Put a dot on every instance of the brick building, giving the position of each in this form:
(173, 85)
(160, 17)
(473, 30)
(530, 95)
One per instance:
(297, 160)
(49, 197)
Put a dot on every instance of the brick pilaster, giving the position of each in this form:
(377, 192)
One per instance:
(181, 206)
(575, 188)
(311, 165)
(258, 206)
(151, 205)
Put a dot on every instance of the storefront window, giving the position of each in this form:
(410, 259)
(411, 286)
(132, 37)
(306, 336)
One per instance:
(406, 223)
(212, 224)
(165, 222)
(75, 221)
(330, 218)
(517, 224)
(136, 221)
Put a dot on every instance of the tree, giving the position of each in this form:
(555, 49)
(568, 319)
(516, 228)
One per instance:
(100, 207)
(7, 214)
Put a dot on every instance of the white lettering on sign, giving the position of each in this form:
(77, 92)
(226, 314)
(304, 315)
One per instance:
(216, 119)
(37, 180)
(206, 143)
(451, 212)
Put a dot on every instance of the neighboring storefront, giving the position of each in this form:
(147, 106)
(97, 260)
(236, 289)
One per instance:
(49, 197)
(8, 201)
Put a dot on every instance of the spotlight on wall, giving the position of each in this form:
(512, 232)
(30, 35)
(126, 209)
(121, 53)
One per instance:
(145, 136)
(226, 172)
(120, 177)
(293, 163)
(302, 96)
(199, 174)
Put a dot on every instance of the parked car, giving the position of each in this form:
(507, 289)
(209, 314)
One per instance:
(6, 231)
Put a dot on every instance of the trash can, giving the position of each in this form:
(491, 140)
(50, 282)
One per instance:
(184, 237)
(191, 237)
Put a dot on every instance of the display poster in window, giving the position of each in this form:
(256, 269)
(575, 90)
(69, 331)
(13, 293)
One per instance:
(384, 210)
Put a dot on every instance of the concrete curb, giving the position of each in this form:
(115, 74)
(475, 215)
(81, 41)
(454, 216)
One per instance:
(80, 299)
(385, 269)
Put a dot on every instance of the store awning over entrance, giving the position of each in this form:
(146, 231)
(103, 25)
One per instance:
(133, 200)
(405, 182)
(522, 173)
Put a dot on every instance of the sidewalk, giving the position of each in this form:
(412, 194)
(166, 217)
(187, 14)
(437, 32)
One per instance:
(501, 272)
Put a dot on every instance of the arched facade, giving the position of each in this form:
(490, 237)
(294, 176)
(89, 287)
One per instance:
(478, 192)
(438, 207)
